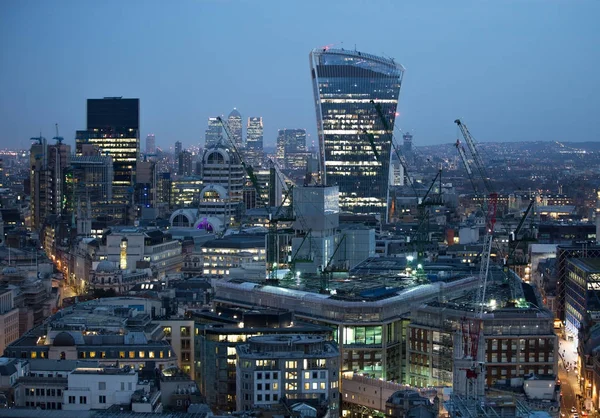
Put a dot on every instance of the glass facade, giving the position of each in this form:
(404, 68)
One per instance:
(355, 146)
(254, 141)
(124, 147)
(234, 121)
(214, 133)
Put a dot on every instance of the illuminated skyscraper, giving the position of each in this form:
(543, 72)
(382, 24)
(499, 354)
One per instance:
(291, 148)
(235, 126)
(354, 145)
(214, 133)
(178, 148)
(254, 141)
(150, 144)
(113, 124)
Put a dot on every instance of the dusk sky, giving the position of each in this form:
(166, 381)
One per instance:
(512, 70)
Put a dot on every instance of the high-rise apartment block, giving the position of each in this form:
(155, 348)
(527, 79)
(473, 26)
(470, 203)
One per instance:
(214, 133)
(150, 144)
(113, 125)
(351, 89)
(254, 141)
(234, 120)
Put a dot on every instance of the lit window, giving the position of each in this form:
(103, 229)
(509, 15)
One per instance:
(150, 354)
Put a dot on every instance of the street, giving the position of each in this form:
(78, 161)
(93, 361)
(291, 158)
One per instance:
(569, 380)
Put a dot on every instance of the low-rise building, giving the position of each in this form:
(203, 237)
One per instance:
(298, 367)
(113, 331)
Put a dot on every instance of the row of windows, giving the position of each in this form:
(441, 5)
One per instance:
(42, 392)
(124, 354)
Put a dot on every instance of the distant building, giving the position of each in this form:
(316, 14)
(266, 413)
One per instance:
(214, 133)
(48, 166)
(254, 142)
(178, 149)
(290, 143)
(223, 177)
(137, 248)
(234, 121)
(92, 180)
(185, 163)
(344, 84)
(113, 125)
(150, 144)
(109, 330)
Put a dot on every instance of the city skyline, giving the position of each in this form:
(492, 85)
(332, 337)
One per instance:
(503, 67)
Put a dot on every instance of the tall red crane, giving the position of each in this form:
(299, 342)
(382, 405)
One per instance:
(471, 329)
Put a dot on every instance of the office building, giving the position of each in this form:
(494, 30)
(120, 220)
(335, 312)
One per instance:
(185, 163)
(355, 143)
(48, 165)
(113, 125)
(234, 120)
(92, 177)
(254, 142)
(214, 133)
(109, 330)
(289, 143)
(297, 367)
(145, 186)
(368, 319)
(219, 333)
(150, 144)
(224, 178)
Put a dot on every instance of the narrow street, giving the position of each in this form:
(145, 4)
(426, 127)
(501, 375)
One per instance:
(569, 379)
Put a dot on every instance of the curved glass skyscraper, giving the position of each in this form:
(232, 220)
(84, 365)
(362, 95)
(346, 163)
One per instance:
(355, 147)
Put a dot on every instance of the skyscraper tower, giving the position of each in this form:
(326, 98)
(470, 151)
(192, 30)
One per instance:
(150, 144)
(178, 148)
(235, 125)
(291, 142)
(185, 163)
(113, 124)
(344, 84)
(48, 165)
(254, 141)
(214, 133)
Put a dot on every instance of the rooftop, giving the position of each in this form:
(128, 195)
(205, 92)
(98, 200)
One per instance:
(590, 265)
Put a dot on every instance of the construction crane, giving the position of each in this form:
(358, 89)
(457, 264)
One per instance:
(399, 155)
(514, 238)
(272, 239)
(463, 156)
(40, 139)
(59, 139)
(247, 168)
(472, 329)
(421, 234)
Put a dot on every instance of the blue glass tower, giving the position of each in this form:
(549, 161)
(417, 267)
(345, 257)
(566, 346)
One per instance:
(355, 147)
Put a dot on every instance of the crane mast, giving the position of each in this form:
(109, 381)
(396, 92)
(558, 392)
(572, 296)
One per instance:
(472, 356)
